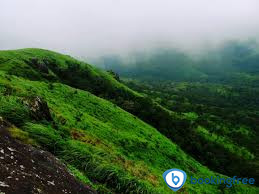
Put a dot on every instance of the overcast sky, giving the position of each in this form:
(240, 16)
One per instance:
(97, 27)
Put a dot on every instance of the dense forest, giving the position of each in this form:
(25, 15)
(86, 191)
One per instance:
(225, 118)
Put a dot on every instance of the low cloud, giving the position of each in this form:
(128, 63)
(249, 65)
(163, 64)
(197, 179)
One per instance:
(88, 28)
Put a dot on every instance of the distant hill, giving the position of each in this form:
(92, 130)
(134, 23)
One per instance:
(92, 122)
(230, 62)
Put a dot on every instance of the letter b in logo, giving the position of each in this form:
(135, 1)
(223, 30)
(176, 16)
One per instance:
(174, 178)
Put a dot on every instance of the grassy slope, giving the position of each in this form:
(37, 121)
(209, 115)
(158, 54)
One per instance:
(103, 144)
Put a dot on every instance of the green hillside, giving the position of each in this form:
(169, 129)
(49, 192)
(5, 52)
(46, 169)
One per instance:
(102, 144)
(226, 158)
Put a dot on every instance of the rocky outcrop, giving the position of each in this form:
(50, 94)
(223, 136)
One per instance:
(39, 108)
(25, 169)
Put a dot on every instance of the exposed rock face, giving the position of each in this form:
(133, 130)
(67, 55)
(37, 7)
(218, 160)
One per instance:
(39, 109)
(25, 169)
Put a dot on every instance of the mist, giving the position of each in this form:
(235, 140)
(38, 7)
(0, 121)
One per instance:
(91, 29)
